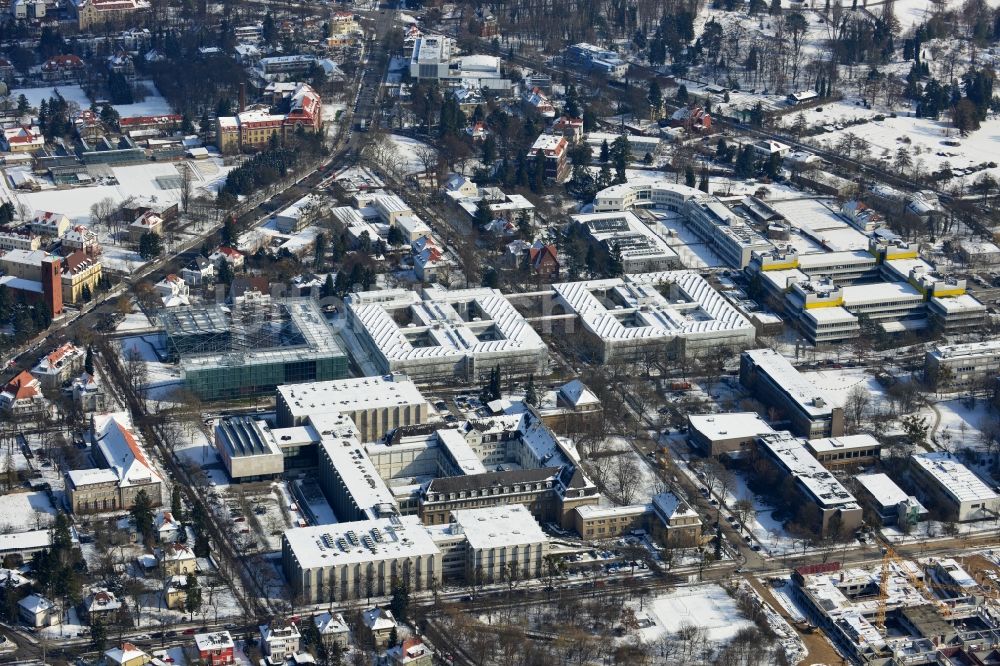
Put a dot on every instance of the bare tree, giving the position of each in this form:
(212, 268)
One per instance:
(856, 407)
(627, 477)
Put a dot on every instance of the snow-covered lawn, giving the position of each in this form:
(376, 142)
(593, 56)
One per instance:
(154, 104)
(407, 150)
(71, 93)
(21, 512)
(708, 607)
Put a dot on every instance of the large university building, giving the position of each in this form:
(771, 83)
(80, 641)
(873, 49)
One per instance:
(254, 128)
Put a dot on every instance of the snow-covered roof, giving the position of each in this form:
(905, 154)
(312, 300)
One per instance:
(433, 312)
(792, 455)
(216, 640)
(378, 619)
(954, 477)
(812, 399)
(729, 426)
(576, 393)
(121, 450)
(360, 541)
(883, 489)
(498, 526)
(35, 604)
(651, 315)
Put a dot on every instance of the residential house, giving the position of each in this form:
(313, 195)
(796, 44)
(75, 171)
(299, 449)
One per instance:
(411, 652)
(101, 605)
(46, 223)
(59, 365)
(177, 559)
(553, 150)
(147, 222)
(63, 68)
(173, 291)
(199, 272)
(126, 655)
(571, 128)
(22, 395)
(23, 139)
(215, 648)
(378, 624)
(167, 527)
(542, 260)
(175, 592)
(536, 99)
(36, 611)
(279, 640)
(234, 258)
(88, 395)
(332, 629)
(82, 239)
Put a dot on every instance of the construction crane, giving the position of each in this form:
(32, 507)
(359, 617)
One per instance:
(890, 556)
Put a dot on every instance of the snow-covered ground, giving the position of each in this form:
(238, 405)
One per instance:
(407, 149)
(708, 607)
(21, 512)
(154, 104)
(71, 93)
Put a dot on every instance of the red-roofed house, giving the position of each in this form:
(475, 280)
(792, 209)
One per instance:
(62, 68)
(543, 260)
(80, 274)
(125, 470)
(571, 128)
(411, 652)
(22, 139)
(22, 395)
(59, 365)
(232, 257)
(148, 222)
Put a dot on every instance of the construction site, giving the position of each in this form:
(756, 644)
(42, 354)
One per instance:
(899, 611)
(252, 346)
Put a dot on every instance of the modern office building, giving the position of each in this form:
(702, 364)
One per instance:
(360, 559)
(252, 347)
(726, 233)
(376, 405)
(674, 313)
(962, 364)
(641, 250)
(890, 504)
(439, 334)
(942, 480)
(816, 484)
(731, 433)
(808, 410)
(846, 450)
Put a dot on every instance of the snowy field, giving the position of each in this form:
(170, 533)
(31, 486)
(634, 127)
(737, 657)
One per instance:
(154, 104)
(21, 512)
(409, 162)
(707, 607)
(71, 93)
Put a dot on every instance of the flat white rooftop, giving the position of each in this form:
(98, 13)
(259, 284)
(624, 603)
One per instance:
(799, 463)
(814, 400)
(985, 349)
(360, 542)
(729, 426)
(883, 489)
(954, 478)
(843, 443)
(499, 527)
(880, 292)
(347, 395)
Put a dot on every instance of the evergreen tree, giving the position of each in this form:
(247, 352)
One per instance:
(150, 245)
(530, 395)
(225, 275)
(605, 155)
(141, 514)
(88, 361)
(703, 182)
(689, 177)
(682, 94)
(229, 233)
(176, 506)
(85, 294)
(192, 598)
(327, 290)
(393, 638)
(655, 97)
(399, 604)
(320, 249)
(98, 636)
(615, 263)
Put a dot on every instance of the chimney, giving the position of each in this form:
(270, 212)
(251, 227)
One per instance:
(243, 97)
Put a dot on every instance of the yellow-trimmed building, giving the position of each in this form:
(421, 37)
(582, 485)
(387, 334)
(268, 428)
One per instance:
(79, 269)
